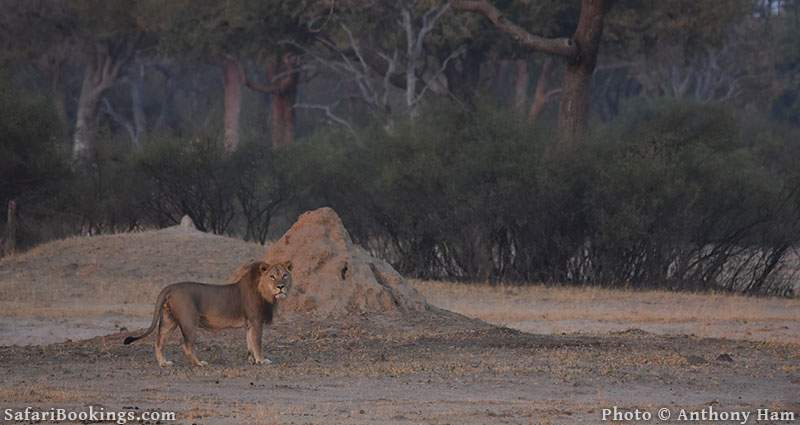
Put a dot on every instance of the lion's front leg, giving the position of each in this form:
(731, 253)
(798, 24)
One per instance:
(254, 344)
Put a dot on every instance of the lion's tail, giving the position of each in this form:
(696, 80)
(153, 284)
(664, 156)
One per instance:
(156, 317)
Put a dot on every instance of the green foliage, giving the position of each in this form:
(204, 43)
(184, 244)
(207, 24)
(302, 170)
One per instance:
(212, 28)
(31, 157)
(671, 194)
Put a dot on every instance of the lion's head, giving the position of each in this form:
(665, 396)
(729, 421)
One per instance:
(274, 280)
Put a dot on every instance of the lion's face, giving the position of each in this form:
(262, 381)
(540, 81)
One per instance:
(275, 280)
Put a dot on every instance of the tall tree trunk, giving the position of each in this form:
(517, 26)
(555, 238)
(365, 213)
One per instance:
(283, 119)
(285, 78)
(580, 52)
(573, 117)
(86, 121)
(103, 68)
(521, 78)
(233, 103)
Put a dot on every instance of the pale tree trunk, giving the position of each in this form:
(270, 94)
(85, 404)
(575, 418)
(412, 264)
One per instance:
(521, 78)
(412, 58)
(137, 104)
(415, 53)
(102, 71)
(580, 52)
(232, 81)
(86, 121)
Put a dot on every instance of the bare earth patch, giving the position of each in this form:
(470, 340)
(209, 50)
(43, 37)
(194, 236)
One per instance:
(583, 350)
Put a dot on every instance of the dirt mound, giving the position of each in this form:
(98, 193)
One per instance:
(124, 268)
(333, 277)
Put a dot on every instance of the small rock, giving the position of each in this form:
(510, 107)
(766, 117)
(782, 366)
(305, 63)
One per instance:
(724, 357)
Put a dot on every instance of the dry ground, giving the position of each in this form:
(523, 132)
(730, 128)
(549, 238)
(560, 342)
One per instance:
(599, 311)
(583, 349)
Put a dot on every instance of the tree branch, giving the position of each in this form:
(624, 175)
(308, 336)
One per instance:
(564, 47)
(328, 113)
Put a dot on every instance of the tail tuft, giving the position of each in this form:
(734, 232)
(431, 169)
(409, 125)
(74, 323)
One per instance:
(129, 340)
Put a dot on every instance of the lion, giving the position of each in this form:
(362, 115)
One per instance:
(249, 302)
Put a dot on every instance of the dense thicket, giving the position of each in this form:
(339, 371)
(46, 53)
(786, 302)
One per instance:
(670, 194)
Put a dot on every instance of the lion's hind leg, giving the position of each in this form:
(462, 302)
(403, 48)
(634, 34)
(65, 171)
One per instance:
(165, 328)
(189, 332)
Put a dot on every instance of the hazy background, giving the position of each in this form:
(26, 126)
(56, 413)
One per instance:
(443, 142)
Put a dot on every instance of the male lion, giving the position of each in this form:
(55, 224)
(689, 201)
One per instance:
(248, 303)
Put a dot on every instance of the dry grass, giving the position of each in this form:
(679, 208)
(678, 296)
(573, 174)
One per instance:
(42, 393)
(549, 309)
(541, 302)
(118, 273)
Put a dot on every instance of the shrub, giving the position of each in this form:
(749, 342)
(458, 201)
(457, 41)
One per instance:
(32, 159)
(671, 194)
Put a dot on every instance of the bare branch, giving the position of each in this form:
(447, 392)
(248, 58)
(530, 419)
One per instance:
(456, 53)
(122, 121)
(557, 46)
(328, 113)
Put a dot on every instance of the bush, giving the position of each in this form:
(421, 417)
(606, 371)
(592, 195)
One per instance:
(32, 160)
(672, 195)
(197, 178)
(680, 196)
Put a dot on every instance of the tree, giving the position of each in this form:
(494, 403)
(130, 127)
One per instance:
(104, 65)
(40, 33)
(580, 52)
(382, 49)
(228, 34)
(283, 72)
(109, 39)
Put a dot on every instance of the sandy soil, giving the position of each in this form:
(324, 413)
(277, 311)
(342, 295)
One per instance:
(441, 371)
(589, 349)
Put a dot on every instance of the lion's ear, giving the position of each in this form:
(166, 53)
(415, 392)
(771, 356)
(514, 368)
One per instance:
(288, 265)
(263, 267)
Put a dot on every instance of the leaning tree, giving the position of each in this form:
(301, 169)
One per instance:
(579, 51)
